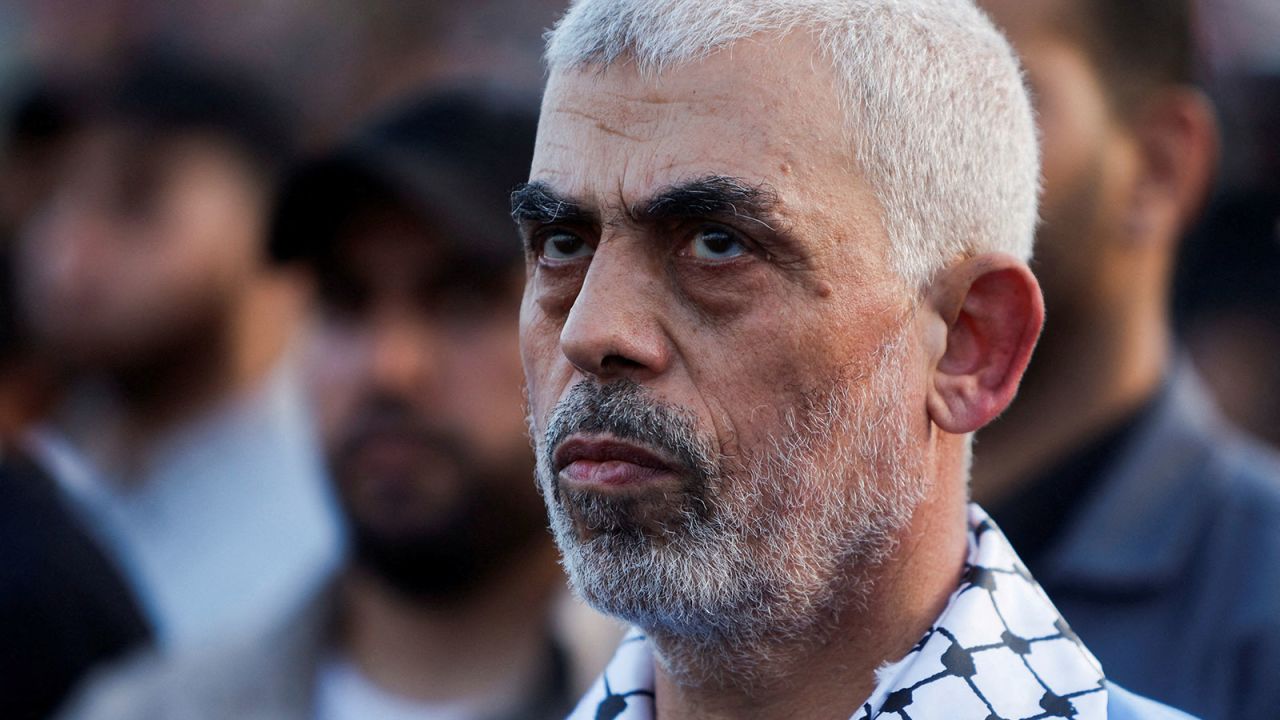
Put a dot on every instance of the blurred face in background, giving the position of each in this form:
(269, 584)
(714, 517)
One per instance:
(145, 245)
(1090, 159)
(417, 379)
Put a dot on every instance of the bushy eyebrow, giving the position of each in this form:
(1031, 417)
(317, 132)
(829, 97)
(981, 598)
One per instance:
(538, 202)
(709, 196)
(716, 198)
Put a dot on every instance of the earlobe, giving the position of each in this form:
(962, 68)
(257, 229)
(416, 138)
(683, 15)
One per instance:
(992, 311)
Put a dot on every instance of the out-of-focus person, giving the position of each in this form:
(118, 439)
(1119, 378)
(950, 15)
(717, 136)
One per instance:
(35, 128)
(1226, 297)
(451, 604)
(1153, 523)
(184, 442)
(64, 607)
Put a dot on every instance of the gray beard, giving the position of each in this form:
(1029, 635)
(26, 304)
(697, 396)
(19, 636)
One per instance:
(765, 553)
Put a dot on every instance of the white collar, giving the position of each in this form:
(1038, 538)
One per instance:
(1000, 649)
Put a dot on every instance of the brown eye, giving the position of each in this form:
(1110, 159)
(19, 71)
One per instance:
(716, 244)
(562, 246)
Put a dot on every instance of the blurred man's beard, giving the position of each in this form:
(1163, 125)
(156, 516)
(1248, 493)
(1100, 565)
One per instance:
(448, 562)
(760, 554)
(472, 531)
(148, 342)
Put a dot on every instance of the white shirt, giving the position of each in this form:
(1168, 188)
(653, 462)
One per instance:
(344, 693)
(229, 525)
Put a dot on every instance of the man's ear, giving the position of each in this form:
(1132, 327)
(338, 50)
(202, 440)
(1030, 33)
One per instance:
(986, 315)
(1177, 134)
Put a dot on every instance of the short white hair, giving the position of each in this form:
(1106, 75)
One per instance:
(936, 110)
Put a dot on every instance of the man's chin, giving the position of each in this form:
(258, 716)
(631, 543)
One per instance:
(437, 567)
(656, 517)
(438, 541)
(428, 581)
(674, 588)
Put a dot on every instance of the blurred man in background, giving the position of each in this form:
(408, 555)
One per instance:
(64, 607)
(36, 126)
(446, 608)
(184, 442)
(1226, 297)
(1154, 526)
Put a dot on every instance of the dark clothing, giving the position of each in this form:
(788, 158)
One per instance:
(1168, 563)
(64, 608)
(272, 677)
(1038, 514)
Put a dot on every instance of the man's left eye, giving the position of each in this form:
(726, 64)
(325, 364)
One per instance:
(715, 244)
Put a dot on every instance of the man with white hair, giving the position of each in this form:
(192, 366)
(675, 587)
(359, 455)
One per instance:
(776, 278)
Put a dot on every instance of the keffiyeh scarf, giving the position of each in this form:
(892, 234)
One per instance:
(999, 651)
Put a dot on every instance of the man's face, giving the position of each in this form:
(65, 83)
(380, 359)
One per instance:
(416, 376)
(1085, 152)
(722, 369)
(143, 245)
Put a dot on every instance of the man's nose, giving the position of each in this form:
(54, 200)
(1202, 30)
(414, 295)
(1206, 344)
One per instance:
(614, 328)
(404, 357)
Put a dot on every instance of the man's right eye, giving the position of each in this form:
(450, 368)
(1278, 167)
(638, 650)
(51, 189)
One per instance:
(560, 246)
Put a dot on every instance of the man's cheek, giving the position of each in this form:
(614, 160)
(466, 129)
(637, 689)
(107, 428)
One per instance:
(334, 406)
(333, 377)
(543, 363)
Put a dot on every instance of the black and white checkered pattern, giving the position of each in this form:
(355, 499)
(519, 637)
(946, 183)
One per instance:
(999, 651)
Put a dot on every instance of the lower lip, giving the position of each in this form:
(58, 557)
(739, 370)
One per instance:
(610, 473)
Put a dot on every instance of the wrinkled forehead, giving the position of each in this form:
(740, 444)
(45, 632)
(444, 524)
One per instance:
(766, 112)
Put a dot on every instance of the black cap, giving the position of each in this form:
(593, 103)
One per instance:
(39, 114)
(452, 158)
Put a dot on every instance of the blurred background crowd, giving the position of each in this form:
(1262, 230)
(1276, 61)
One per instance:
(258, 380)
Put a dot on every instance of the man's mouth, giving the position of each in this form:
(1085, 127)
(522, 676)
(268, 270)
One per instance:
(390, 448)
(605, 463)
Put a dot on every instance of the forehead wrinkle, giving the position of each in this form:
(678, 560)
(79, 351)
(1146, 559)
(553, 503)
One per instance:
(626, 125)
(609, 129)
(638, 115)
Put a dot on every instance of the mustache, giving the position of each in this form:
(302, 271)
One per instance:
(626, 410)
(382, 416)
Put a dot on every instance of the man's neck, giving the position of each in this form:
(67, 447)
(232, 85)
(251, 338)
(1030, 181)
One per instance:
(830, 681)
(1090, 371)
(482, 645)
